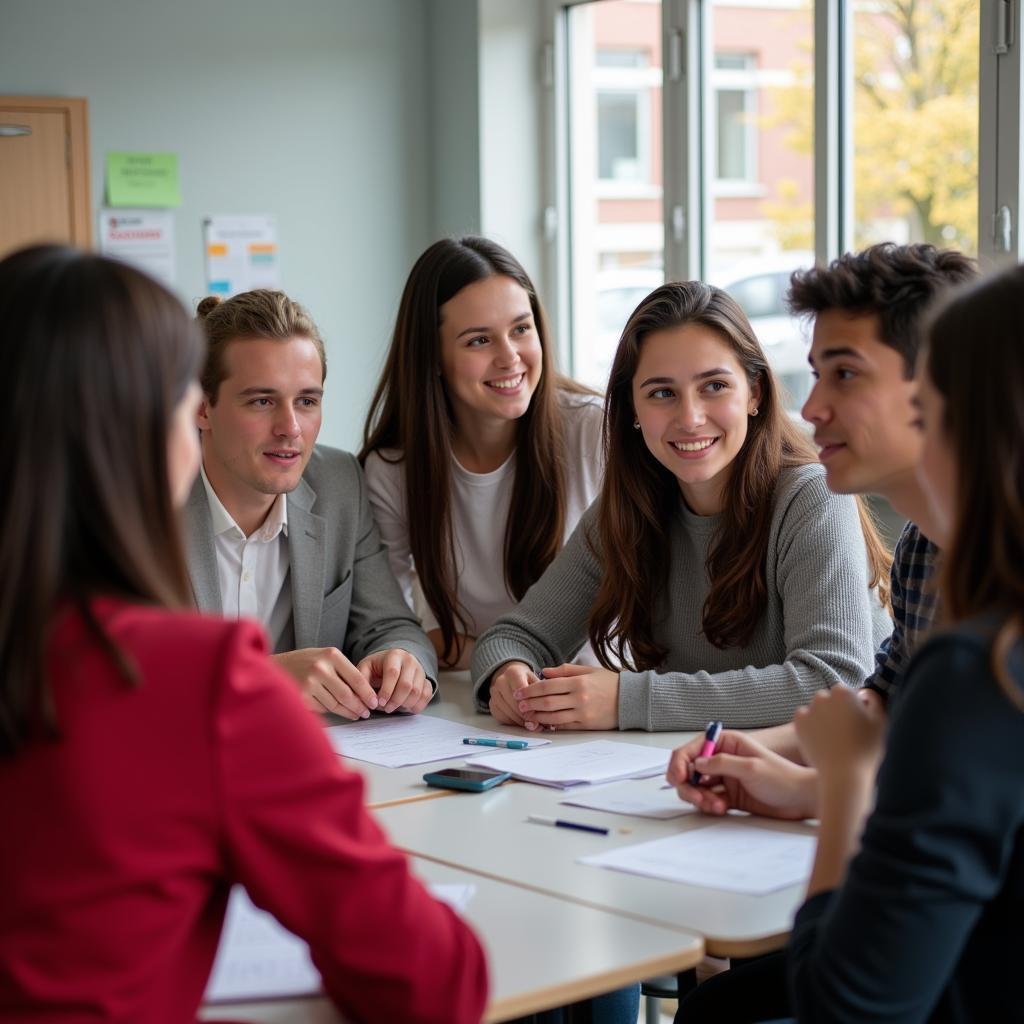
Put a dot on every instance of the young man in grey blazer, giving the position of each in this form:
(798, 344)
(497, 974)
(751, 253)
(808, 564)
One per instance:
(279, 528)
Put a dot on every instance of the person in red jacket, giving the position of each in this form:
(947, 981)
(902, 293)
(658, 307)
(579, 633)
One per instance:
(151, 757)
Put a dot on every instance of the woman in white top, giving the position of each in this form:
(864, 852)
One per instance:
(480, 458)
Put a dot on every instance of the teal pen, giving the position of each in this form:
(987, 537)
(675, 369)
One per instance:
(481, 741)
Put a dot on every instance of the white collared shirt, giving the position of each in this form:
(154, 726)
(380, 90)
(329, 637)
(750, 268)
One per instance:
(252, 571)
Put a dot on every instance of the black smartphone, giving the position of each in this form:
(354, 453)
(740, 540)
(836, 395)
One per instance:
(466, 778)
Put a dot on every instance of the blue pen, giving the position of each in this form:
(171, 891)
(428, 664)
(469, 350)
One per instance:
(711, 737)
(481, 741)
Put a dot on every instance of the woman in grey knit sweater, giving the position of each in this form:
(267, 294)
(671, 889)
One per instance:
(716, 576)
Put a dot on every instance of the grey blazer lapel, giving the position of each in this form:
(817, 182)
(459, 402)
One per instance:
(200, 554)
(306, 543)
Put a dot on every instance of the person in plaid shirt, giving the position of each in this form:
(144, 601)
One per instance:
(868, 310)
(914, 608)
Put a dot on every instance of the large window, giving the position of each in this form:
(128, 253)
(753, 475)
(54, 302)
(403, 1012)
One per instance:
(735, 119)
(759, 224)
(622, 83)
(915, 122)
(613, 53)
(767, 135)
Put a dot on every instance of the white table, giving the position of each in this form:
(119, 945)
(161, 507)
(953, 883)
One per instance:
(555, 931)
(386, 786)
(488, 833)
(542, 951)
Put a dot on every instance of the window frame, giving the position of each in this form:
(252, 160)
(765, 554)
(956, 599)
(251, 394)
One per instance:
(744, 81)
(688, 111)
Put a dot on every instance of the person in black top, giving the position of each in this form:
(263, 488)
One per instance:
(914, 910)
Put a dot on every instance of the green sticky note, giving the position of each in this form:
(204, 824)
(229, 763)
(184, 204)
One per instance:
(143, 179)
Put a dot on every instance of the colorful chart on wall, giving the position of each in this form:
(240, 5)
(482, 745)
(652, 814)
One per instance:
(241, 253)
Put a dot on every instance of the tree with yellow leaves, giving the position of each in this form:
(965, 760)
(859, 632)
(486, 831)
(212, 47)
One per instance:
(915, 124)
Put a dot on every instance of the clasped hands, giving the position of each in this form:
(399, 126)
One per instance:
(840, 733)
(385, 681)
(568, 697)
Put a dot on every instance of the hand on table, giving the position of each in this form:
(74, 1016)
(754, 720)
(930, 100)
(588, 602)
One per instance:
(509, 679)
(570, 697)
(745, 775)
(399, 680)
(330, 682)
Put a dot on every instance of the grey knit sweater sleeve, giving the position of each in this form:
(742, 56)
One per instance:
(549, 626)
(819, 606)
(821, 624)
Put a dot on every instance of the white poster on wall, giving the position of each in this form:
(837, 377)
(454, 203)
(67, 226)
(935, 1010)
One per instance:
(143, 238)
(241, 253)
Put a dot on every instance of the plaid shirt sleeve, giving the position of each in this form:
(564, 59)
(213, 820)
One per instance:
(913, 608)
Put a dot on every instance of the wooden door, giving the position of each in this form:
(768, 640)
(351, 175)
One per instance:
(44, 172)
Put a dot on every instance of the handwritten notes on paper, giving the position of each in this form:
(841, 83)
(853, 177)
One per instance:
(411, 739)
(731, 856)
(580, 763)
(143, 179)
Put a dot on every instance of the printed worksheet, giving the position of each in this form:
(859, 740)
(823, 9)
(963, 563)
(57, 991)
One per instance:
(260, 959)
(412, 739)
(730, 855)
(579, 763)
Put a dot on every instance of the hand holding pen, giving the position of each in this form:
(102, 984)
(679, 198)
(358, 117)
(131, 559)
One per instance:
(743, 775)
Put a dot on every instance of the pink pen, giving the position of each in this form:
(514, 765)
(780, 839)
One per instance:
(711, 737)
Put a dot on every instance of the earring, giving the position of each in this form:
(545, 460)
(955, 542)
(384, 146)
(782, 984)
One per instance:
(636, 424)
(755, 412)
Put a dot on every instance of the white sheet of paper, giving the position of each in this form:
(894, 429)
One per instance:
(260, 959)
(580, 763)
(411, 739)
(257, 957)
(730, 856)
(456, 896)
(633, 797)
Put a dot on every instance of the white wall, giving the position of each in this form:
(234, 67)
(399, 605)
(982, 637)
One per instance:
(453, 60)
(316, 111)
(512, 130)
(486, 123)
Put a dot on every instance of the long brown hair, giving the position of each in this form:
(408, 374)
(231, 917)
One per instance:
(640, 497)
(974, 357)
(99, 356)
(411, 413)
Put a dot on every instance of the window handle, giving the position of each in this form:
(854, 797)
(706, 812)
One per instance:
(1002, 229)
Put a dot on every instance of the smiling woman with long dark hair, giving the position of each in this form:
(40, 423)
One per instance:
(716, 576)
(135, 779)
(479, 456)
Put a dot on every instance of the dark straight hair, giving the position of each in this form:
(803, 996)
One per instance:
(640, 497)
(974, 356)
(99, 356)
(896, 283)
(411, 414)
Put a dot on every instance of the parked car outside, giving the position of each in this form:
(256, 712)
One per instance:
(759, 285)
